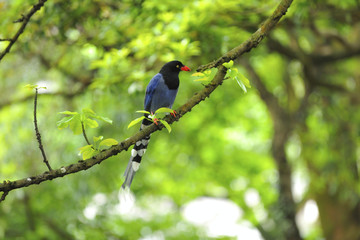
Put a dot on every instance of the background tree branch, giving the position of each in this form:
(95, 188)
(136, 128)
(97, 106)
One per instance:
(24, 21)
(255, 38)
(283, 127)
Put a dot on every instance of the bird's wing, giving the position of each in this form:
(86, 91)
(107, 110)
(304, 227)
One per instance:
(150, 90)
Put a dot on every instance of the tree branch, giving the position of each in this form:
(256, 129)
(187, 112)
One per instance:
(284, 50)
(81, 165)
(38, 136)
(25, 20)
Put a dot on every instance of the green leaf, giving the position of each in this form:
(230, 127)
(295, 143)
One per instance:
(164, 110)
(86, 117)
(75, 124)
(143, 111)
(31, 86)
(70, 121)
(105, 119)
(90, 123)
(232, 73)
(212, 73)
(136, 121)
(88, 151)
(244, 80)
(85, 148)
(166, 125)
(205, 76)
(151, 117)
(88, 112)
(203, 79)
(64, 122)
(228, 64)
(68, 113)
(108, 142)
(198, 74)
(241, 84)
(96, 139)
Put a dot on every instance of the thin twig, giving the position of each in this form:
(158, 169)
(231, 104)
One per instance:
(4, 196)
(84, 133)
(20, 19)
(38, 136)
(5, 39)
(25, 18)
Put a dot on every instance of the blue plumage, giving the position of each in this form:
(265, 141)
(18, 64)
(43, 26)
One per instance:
(160, 92)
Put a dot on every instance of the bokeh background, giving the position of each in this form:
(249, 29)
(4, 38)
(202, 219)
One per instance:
(279, 162)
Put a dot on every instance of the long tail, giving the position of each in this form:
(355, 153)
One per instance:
(136, 154)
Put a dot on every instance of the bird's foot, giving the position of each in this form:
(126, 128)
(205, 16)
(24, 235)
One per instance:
(173, 113)
(156, 121)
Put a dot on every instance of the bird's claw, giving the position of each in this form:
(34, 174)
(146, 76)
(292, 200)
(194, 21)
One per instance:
(156, 121)
(173, 113)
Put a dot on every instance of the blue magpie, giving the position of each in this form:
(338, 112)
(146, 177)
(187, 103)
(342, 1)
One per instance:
(160, 92)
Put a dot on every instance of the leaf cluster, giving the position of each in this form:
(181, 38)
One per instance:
(77, 121)
(152, 117)
(99, 143)
(233, 73)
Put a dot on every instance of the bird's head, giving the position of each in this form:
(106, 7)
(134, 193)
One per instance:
(174, 66)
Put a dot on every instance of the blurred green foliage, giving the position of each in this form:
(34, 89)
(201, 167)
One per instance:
(100, 55)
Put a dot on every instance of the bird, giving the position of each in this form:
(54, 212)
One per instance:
(160, 92)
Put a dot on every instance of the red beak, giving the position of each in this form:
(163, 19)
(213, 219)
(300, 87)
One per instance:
(185, 68)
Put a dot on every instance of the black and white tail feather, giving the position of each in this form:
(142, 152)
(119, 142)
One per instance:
(136, 155)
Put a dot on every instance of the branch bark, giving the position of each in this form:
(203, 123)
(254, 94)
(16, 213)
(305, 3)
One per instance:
(38, 136)
(25, 20)
(81, 165)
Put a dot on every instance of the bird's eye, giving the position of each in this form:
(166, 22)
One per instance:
(177, 66)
